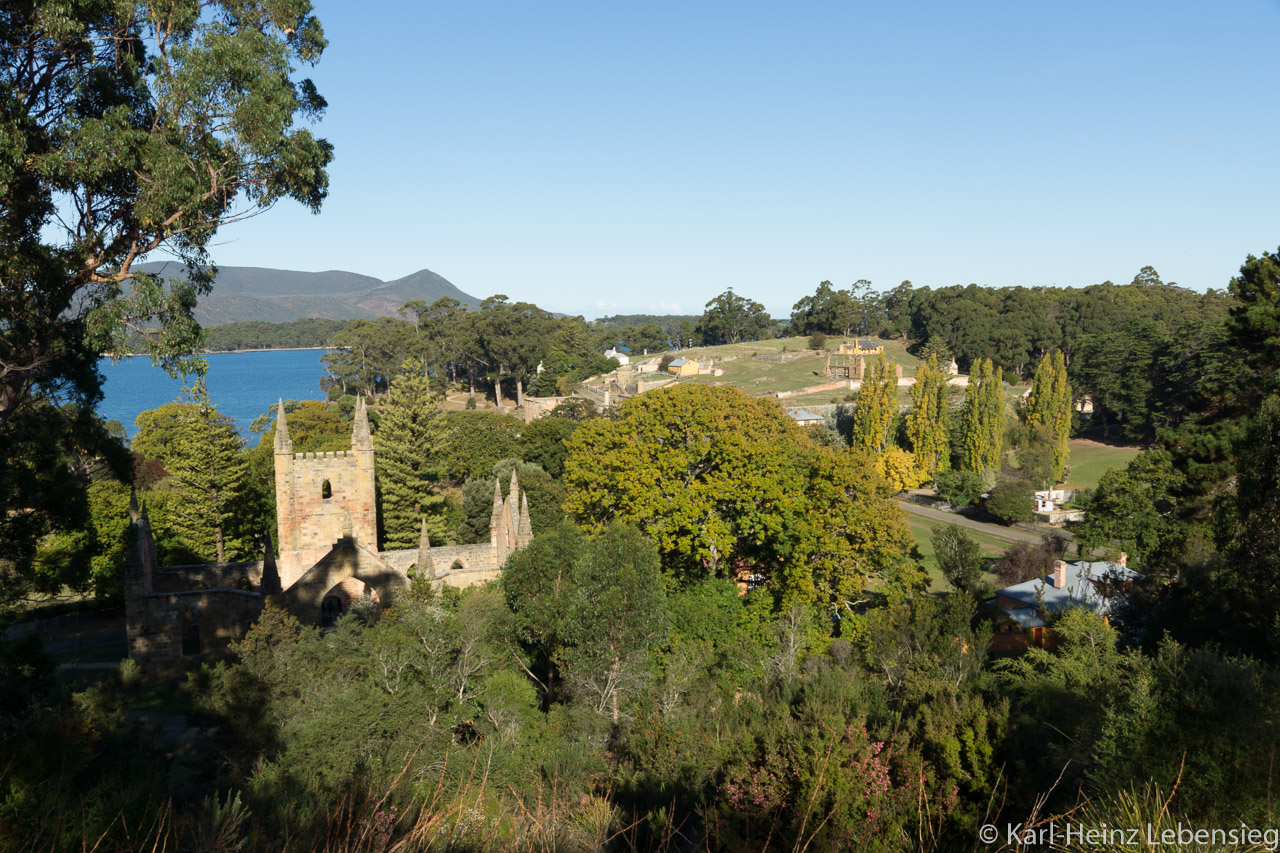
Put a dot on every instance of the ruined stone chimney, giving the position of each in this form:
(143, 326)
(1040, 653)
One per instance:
(1123, 562)
(1059, 574)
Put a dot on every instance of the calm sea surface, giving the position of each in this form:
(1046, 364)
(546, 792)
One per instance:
(241, 384)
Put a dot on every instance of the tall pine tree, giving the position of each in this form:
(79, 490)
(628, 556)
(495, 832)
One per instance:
(876, 405)
(929, 421)
(1049, 404)
(982, 419)
(409, 443)
(208, 476)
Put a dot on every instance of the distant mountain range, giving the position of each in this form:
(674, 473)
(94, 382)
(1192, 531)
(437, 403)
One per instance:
(277, 296)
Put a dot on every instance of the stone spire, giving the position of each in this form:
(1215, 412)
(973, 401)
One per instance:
(514, 491)
(134, 515)
(495, 521)
(270, 584)
(284, 444)
(146, 545)
(524, 534)
(360, 437)
(426, 568)
(497, 501)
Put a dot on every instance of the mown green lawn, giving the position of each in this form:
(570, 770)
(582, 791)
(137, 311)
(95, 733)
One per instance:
(1089, 460)
(762, 378)
(923, 532)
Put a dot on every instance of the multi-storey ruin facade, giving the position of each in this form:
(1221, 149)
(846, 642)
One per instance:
(326, 509)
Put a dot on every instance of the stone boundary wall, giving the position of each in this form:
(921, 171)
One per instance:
(643, 385)
(780, 357)
(536, 407)
(842, 385)
(827, 410)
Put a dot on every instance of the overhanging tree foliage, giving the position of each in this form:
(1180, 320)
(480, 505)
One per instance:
(125, 128)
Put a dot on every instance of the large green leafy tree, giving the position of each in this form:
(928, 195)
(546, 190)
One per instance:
(849, 536)
(704, 471)
(1135, 510)
(730, 318)
(365, 357)
(959, 557)
(1242, 372)
(726, 483)
(45, 449)
(568, 358)
(476, 441)
(126, 128)
(591, 606)
(512, 336)
(409, 444)
(827, 310)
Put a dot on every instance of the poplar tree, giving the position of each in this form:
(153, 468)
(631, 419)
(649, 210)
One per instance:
(875, 407)
(208, 476)
(982, 418)
(409, 446)
(1049, 404)
(929, 421)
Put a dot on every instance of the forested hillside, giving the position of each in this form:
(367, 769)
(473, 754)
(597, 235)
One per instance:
(244, 294)
(1137, 352)
(306, 333)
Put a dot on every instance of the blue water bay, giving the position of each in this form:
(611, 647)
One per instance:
(242, 385)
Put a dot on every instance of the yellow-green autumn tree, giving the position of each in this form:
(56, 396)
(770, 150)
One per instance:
(1049, 404)
(929, 420)
(876, 405)
(982, 418)
(725, 483)
(898, 468)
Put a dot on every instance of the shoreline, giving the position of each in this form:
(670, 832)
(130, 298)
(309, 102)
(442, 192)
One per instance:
(263, 349)
(223, 351)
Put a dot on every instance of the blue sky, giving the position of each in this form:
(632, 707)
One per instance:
(641, 157)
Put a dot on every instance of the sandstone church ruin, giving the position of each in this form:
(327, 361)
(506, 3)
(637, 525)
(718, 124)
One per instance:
(326, 507)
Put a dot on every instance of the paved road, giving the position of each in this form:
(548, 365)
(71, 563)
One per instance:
(995, 531)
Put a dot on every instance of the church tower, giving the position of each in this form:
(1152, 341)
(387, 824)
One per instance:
(316, 494)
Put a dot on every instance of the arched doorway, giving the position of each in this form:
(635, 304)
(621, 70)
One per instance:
(339, 600)
(330, 609)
